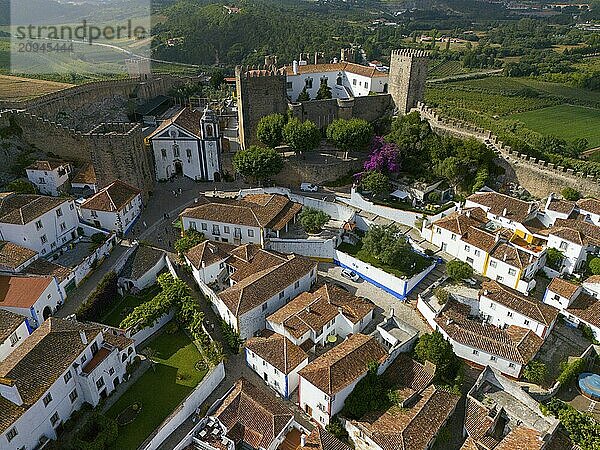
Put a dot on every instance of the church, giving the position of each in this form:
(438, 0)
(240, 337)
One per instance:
(188, 144)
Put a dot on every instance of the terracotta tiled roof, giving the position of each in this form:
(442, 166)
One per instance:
(534, 225)
(576, 231)
(43, 267)
(591, 205)
(9, 322)
(516, 210)
(38, 362)
(357, 69)
(87, 175)
(561, 206)
(13, 255)
(312, 310)
(208, 252)
(459, 222)
(271, 211)
(22, 292)
(514, 344)
(187, 118)
(20, 209)
(518, 302)
(469, 444)
(409, 375)
(112, 198)
(479, 425)
(344, 364)
(586, 308)
(592, 279)
(249, 259)
(251, 415)
(563, 287)
(414, 427)
(278, 351)
(257, 288)
(320, 439)
(522, 438)
(141, 260)
(480, 239)
(49, 164)
(512, 255)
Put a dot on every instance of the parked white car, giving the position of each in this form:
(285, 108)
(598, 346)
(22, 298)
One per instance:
(307, 187)
(351, 275)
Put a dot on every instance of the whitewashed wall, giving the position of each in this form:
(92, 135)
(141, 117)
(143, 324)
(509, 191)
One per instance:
(314, 248)
(141, 335)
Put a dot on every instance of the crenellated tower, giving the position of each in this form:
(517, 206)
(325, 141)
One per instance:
(408, 72)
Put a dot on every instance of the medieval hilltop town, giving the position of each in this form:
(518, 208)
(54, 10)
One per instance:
(174, 282)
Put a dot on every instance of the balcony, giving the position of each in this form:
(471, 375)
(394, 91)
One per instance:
(98, 358)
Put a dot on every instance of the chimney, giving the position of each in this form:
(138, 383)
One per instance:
(295, 67)
(340, 310)
(530, 258)
(504, 212)
(485, 292)
(530, 208)
(83, 337)
(497, 237)
(392, 312)
(303, 440)
(504, 257)
(308, 309)
(468, 213)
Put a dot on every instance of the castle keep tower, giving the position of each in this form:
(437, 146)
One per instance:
(260, 92)
(408, 70)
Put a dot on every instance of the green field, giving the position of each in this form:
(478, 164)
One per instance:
(564, 121)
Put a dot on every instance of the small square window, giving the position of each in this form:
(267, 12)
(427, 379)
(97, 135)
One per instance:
(250, 233)
(296, 284)
(204, 226)
(54, 419)
(499, 278)
(526, 322)
(58, 212)
(47, 399)
(100, 383)
(73, 395)
(509, 314)
(44, 239)
(564, 245)
(492, 305)
(281, 294)
(493, 263)
(12, 433)
(38, 225)
(511, 365)
(453, 237)
(476, 352)
(67, 376)
(264, 306)
(225, 229)
(14, 339)
(467, 248)
(477, 252)
(512, 272)
(493, 358)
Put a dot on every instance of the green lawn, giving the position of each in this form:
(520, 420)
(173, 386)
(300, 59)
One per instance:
(160, 390)
(564, 121)
(126, 304)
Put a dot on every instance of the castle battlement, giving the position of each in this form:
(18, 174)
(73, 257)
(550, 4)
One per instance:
(410, 52)
(260, 71)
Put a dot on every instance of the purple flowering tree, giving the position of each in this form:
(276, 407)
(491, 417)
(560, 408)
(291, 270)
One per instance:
(384, 157)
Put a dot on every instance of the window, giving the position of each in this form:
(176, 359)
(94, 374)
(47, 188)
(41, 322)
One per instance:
(188, 153)
(509, 314)
(58, 212)
(47, 399)
(470, 260)
(493, 358)
(71, 206)
(467, 248)
(73, 395)
(438, 230)
(94, 213)
(192, 225)
(250, 233)
(476, 352)
(94, 348)
(68, 376)
(264, 306)
(288, 85)
(83, 359)
(366, 85)
(175, 151)
(492, 305)
(63, 227)
(564, 245)
(54, 419)
(12, 433)
(354, 82)
(526, 322)
(556, 297)
(493, 263)
(44, 239)
(38, 225)
(339, 81)
(511, 365)
(453, 237)
(111, 370)
(163, 152)
(100, 383)
(281, 294)
(14, 339)
(225, 229)
(296, 284)
(215, 230)
(499, 278)
(512, 271)
(204, 226)
(477, 252)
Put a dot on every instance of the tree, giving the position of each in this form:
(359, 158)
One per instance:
(570, 371)
(434, 348)
(571, 194)
(594, 266)
(20, 186)
(554, 258)
(301, 136)
(376, 183)
(303, 96)
(324, 91)
(258, 163)
(217, 78)
(312, 219)
(536, 372)
(458, 270)
(190, 239)
(384, 157)
(350, 135)
(368, 395)
(270, 129)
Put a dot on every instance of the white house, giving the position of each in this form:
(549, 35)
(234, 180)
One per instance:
(246, 418)
(575, 239)
(507, 350)
(579, 304)
(15, 258)
(81, 363)
(556, 209)
(590, 209)
(312, 317)
(250, 220)
(326, 382)
(277, 361)
(38, 222)
(514, 265)
(142, 268)
(208, 261)
(13, 330)
(35, 297)
(50, 177)
(346, 79)
(261, 282)
(114, 208)
(188, 144)
(502, 306)
(84, 183)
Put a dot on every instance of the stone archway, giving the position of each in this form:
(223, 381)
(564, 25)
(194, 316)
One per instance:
(47, 312)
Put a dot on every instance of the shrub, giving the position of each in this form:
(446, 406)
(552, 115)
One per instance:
(336, 428)
(588, 334)
(20, 186)
(570, 371)
(434, 348)
(458, 270)
(97, 433)
(232, 339)
(594, 266)
(583, 429)
(312, 219)
(554, 258)
(441, 294)
(100, 300)
(190, 239)
(571, 194)
(376, 183)
(536, 372)
(368, 395)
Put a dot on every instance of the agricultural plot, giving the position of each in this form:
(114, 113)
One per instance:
(18, 89)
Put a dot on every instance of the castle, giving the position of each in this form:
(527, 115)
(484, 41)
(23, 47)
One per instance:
(358, 91)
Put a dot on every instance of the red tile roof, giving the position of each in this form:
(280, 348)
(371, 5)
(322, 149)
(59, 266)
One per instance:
(563, 287)
(87, 175)
(112, 198)
(20, 209)
(22, 292)
(9, 322)
(365, 71)
(278, 351)
(591, 205)
(516, 210)
(13, 255)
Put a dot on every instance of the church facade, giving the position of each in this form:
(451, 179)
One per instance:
(188, 144)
